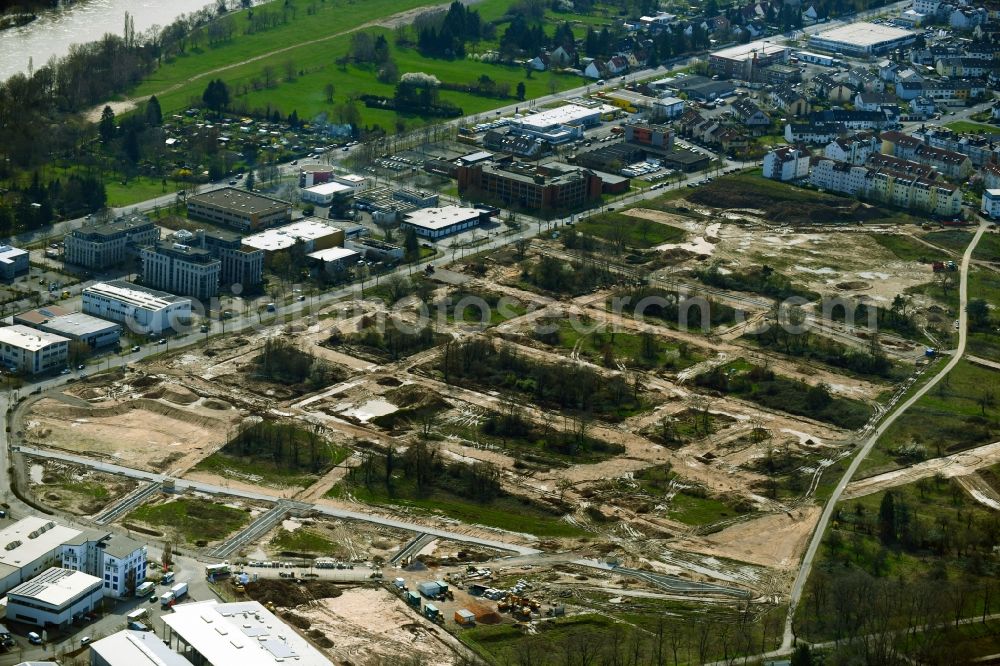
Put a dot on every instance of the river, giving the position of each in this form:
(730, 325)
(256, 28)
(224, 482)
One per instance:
(83, 21)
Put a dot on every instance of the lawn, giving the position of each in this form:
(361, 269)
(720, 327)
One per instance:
(967, 126)
(692, 509)
(303, 541)
(195, 520)
(505, 513)
(314, 68)
(906, 247)
(329, 19)
(951, 417)
(763, 386)
(140, 188)
(599, 344)
(635, 232)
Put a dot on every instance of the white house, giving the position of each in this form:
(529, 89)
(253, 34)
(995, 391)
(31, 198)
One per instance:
(852, 149)
(922, 106)
(786, 163)
(991, 204)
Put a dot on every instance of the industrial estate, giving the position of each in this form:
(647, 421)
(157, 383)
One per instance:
(531, 333)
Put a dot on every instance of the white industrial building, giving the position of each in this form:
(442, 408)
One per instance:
(13, 262)
(25, 349)
(243, 633)
(862, 39)
(991, 204)
(561, 124)
(73, 325)
(444, 221)
(325, 194)
(313, 233)
(55, 597)
(29, 547)
(142, 309)
(134, 648)
(334, 259)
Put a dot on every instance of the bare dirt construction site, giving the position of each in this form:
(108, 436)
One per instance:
(655, 468)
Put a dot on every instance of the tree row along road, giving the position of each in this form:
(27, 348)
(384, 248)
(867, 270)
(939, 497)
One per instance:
(809, 558)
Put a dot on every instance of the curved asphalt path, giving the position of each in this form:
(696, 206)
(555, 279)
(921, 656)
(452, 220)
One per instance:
(809, 559)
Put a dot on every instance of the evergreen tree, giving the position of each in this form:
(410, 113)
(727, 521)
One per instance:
(106, 128)
(887, 519)
(411, 245)
(154, 114)
(520, 90)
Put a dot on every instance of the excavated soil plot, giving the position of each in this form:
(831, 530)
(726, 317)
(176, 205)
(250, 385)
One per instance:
(144, 433)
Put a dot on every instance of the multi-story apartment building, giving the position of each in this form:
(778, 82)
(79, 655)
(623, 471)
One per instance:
(239, 209)
(913, 188)
(181, 269)
(842, 177)
(980, 148)
(786, 163)
(105, 245)
(951, 164)
(116, 559)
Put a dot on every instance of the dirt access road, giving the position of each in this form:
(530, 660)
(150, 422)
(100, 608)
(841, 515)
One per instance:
(869, 444)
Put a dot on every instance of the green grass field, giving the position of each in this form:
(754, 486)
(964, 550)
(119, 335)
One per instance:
(906, 248)
(137, 189)
(950, 418)
(590, 342)
(179, 83)
(636, 232)
(193, 519)
(967, 126)
(303, 541)
(506, 513)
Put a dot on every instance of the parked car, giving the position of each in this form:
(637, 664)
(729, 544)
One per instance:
(34, 638)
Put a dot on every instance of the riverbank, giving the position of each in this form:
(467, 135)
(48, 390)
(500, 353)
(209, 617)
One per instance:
(9, 21)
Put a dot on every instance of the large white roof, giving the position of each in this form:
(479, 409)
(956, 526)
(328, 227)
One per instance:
(135, 295)
(30, 339)
(8, 254)
(282, 238)
(864, 34)
(55, 586)
(747, 51)
(331, 187)
(241, 634)
(441, 218)
(333, 254)
(562, 115)
(136, 648)
(29, 539)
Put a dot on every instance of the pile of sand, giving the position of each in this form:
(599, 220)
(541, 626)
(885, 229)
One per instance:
(179, 395)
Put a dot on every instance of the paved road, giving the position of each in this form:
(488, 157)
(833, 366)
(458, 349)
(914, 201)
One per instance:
(817, 537)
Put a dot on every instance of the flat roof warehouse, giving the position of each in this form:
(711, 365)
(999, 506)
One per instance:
(861, 38)
(234, 199)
